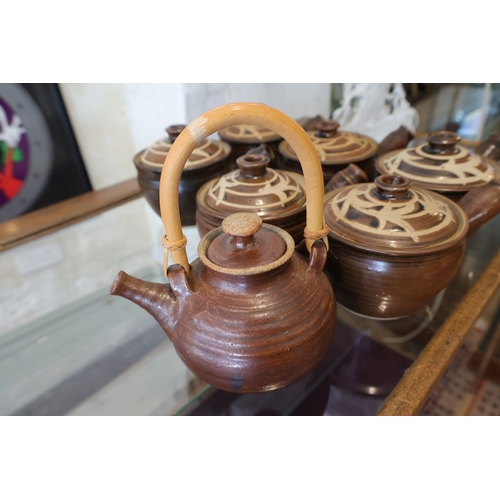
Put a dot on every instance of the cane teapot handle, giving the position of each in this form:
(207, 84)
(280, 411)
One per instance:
(214, 120)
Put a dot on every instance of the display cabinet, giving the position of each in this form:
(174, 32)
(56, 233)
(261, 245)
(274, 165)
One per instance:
(101, 355)
(386, 367)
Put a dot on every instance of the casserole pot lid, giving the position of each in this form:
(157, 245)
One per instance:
(248, 134)
(254, 188)
(205, 155)
(244, 245)
(389, 216)
(334, 146)
(440, 164)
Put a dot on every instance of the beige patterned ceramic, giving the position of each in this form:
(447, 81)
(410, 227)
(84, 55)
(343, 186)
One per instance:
(440, 164)
(244, 137)
(208, 160)
(277, 196)
(394, 246)
(336, 150)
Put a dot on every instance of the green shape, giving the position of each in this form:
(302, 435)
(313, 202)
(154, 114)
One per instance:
(17, 155)
(3, 152)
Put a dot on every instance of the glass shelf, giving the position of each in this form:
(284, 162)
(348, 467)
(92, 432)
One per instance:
(104, 355)
(368, 357)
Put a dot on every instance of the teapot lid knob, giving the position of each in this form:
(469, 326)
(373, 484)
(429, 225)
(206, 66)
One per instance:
(327, 128)
(253, 165)
(442, 142)
(242, 224)
(244, 243)
(393, 187)
(173, 131)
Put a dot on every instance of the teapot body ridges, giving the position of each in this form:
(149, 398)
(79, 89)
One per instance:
(254, 333)
(251, 314)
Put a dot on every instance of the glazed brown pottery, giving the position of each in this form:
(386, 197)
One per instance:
(309, 123)
(350, 175)
(393, 246)
(398, 139)
(336, 149)
(251, 314)
(244, 137)
(440, 164)
(277, 196)
(208, 160)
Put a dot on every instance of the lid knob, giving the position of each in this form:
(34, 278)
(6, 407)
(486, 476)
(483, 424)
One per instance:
(327, 128)
(244, 243)
(393, 187)
(173, 131)
(253, 165)
(442, 142)
(242, 224)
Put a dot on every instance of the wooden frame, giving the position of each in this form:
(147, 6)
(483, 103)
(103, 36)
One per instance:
(412, 391)
(41, 222)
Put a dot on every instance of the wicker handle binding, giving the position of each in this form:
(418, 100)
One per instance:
(214, 120)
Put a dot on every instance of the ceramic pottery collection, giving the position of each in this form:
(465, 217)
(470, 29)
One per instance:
(341, 218)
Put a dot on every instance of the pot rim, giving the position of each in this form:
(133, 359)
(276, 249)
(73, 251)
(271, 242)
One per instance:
(140, 165)
(436, 186)
(211, 235)
(457, 239)
(227, 136)
(282, 148)
(203, 207)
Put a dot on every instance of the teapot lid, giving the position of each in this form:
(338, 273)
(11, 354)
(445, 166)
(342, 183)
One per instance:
(254, 187)
(392, 217)
(248, 134)
(334, 146)
(206, 154)
(244, 245)
(440, 164)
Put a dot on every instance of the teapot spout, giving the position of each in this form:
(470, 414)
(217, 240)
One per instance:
(157, 299)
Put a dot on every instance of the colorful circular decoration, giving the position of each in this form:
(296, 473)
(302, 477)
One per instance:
(26, 151)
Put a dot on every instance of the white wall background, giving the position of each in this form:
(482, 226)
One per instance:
(294, 99)
(112, 122)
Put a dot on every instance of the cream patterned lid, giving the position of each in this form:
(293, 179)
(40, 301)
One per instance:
(248, 134)
(390, 216)
(254, 187)
(205, 155)
(440, 164)
(335, 147)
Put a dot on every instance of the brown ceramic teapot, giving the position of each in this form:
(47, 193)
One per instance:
(208, 160)
(251, 314)
(393, 246)
(277, 196)
(442, 164)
